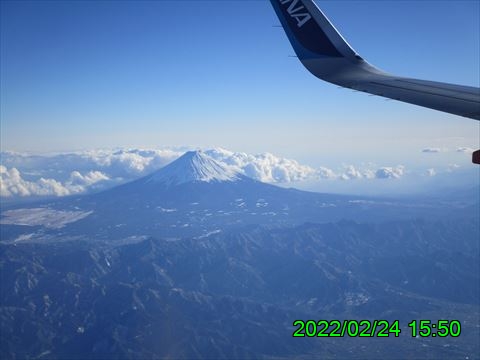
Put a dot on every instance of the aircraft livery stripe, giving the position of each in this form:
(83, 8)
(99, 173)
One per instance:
(302, 29)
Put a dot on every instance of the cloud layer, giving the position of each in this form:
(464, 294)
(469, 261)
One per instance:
(64, 174)
(263, 167)
(75, 173)
(431, 150)
(13, 184)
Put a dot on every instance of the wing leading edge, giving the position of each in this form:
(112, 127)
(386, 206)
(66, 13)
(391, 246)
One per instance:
(328, 56)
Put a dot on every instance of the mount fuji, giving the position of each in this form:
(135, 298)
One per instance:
(194, 196)
(195, 166)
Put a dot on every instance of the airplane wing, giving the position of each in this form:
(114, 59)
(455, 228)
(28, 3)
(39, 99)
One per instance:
(328, 56)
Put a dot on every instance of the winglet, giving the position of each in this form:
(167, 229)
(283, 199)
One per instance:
(309, 30)
(303, 29)
(318, 45)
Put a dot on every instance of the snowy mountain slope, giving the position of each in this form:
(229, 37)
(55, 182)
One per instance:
(194, 166)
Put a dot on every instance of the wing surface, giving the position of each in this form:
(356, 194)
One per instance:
(328, 56)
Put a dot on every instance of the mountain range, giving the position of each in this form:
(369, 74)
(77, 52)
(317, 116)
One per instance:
(199, 261)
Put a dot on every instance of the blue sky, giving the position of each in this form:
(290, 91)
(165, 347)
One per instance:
(80, 75)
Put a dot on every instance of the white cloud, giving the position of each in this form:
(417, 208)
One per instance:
(430, 172)
(129, 162)
(13, 184)
(264, 167)
(78, 183)
(325, 173)
(465, 150)
(390, 172)
(352, 173)
(369, 174)
(90, 178)
(431, 150)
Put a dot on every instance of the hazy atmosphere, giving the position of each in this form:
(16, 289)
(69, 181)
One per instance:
(89, 75)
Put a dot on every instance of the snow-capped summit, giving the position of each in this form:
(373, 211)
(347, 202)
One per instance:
(194, 166)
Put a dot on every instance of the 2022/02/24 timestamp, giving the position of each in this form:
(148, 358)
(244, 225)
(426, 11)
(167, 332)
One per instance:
(375, 328)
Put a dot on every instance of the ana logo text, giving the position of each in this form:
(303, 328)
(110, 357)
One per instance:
(297, 11)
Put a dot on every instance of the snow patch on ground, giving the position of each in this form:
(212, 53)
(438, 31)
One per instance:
(49, 218)
(24, 237)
